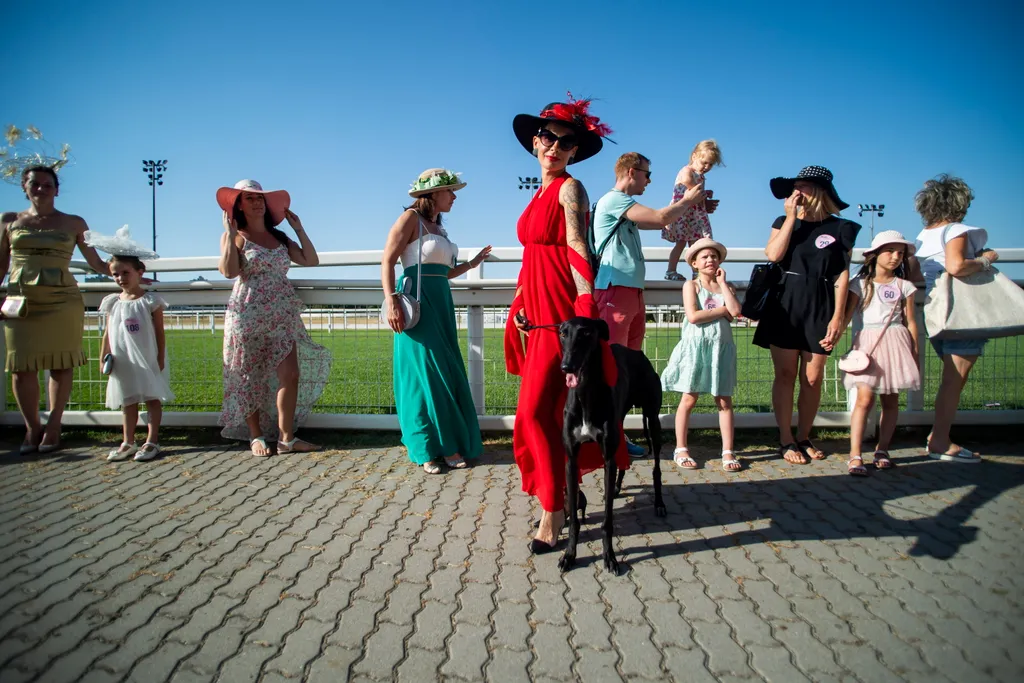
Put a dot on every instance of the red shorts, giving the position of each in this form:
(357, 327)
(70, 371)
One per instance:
(624, 311)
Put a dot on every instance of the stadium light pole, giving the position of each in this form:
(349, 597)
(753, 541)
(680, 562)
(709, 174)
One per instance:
(155, 173)
(529, 183)
(872, 209)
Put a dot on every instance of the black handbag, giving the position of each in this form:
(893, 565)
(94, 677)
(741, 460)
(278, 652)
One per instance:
(763, 281)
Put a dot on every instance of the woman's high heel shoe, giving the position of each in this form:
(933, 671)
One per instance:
(581, 505)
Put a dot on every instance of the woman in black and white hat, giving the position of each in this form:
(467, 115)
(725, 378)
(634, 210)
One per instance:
(802, 324)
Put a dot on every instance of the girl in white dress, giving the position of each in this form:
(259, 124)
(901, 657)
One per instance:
(134, 338)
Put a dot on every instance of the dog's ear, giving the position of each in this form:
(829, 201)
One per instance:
(602, 329)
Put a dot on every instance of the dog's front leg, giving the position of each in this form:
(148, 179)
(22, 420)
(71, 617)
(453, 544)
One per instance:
(609, 444)
(654, 436)
(572, 488)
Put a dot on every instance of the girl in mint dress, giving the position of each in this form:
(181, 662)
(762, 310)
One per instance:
(704, 360)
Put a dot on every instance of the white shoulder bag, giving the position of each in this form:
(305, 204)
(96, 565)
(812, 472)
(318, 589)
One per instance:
(409, 306)
(984, 305)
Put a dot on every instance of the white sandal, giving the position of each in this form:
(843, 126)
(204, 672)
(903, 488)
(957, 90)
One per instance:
(681, 457)
(726, 462)
(261, 441)
(118, 454)
(289, 446)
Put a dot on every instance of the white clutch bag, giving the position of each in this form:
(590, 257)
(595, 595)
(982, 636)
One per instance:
(407, 304)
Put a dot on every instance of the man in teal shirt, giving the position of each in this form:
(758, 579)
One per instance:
(618, 219)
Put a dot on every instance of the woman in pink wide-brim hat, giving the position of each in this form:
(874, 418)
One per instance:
(267, 349)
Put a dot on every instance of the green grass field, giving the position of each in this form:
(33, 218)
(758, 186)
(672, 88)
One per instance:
(361, 374)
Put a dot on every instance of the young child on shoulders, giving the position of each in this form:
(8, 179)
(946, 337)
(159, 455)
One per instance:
(134, 349)
(694, 224)
(881, 305)
(704, 360)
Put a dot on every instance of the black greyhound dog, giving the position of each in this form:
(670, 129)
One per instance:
(594, 412)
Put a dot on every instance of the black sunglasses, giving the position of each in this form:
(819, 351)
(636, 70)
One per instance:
(642, 170)
(565, 143)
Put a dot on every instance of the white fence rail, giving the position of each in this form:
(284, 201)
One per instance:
(342, 314)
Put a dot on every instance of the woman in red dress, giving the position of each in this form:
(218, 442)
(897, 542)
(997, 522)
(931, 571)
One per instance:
(555, 284)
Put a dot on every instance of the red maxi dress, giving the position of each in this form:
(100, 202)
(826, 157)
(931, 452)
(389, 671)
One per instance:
(548, 296)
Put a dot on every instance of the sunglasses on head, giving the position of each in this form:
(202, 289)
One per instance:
(565, 143)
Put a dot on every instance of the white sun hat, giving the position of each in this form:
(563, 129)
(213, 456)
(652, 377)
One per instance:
(889, 237)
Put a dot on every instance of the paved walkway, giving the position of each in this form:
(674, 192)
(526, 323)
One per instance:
(209, 565)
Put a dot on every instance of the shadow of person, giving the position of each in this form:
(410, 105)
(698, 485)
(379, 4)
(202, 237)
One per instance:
(898, 503)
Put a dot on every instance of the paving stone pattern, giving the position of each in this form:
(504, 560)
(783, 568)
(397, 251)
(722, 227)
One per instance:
(210, 565)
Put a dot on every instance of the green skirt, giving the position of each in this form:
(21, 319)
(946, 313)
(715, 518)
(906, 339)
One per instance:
(435, 407)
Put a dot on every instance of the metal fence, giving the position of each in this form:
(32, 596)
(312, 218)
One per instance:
(343, 316)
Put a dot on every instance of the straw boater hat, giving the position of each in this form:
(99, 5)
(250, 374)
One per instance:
(435, 179)
(278, 201)
(575, 114)
(704, 243)
(120, 244)
(819, 175)
(889, 237)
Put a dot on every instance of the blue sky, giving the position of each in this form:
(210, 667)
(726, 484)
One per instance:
(343, 104)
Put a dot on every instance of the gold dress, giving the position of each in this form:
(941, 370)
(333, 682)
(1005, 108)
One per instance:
(49, 337)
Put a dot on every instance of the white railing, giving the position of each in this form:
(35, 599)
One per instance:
(341, 307)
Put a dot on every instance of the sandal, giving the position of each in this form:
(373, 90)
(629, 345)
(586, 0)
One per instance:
(962, 456)
(809, 449)
(148, 451)
(296, 445)
(881, 460)
(431, 467)
(798, 457)
(856, 470)
(730, 464)
(673, 275)
(455, 462)
(681, 457)
(122, 452)
(265, 450)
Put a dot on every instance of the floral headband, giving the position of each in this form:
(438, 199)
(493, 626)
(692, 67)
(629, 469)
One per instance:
(436, 179)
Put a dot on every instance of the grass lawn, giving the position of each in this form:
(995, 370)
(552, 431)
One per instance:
(361, 374)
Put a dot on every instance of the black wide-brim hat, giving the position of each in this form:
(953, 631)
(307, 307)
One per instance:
(588, 129)
(819, 175)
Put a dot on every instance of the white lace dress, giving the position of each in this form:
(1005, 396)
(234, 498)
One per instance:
(136, 376)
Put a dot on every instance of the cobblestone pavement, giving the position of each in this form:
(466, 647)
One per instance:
(210, 565)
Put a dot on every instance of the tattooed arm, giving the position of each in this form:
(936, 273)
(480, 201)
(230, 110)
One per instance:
(574, 200)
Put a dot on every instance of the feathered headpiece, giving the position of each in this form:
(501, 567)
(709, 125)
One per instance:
(120, 244)
(577, 112)
(27, 148)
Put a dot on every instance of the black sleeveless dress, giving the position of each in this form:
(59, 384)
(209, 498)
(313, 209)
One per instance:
(797, 317)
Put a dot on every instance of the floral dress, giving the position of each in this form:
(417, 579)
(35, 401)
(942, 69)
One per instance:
(692, 225)
(261, 327)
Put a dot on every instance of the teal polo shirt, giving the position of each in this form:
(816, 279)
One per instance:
(622, 263)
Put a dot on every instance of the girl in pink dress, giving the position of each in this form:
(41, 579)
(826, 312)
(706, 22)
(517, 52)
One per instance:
(694, 224)
(881, 305)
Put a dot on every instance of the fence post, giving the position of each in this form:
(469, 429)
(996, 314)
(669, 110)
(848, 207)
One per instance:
(915, 399)
(213, 324)
(475, 345)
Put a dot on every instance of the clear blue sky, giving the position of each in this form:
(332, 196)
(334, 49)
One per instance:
(343, 104)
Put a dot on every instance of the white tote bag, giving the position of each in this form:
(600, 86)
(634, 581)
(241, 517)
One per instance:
(984, 305)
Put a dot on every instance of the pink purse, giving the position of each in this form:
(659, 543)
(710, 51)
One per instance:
(856, 361)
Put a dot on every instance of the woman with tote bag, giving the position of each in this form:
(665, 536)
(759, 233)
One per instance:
(945, 245)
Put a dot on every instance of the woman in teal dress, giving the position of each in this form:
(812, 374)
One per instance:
(432, 396)
(704, 360)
